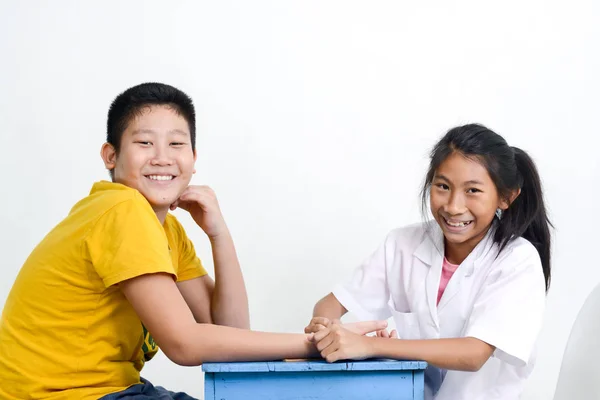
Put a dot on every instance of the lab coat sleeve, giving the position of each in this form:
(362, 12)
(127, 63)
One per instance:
(509, 309)
(366, 293)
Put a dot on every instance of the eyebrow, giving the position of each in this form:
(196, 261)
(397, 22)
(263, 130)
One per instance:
(176, 131)
(471, 182)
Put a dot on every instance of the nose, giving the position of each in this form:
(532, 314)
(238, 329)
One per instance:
(161, 157)
(455, 204)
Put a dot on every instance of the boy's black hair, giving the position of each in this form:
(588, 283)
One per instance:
(132, 102)
(510, 169)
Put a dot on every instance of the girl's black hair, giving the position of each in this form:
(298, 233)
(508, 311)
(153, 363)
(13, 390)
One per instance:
(510, 169)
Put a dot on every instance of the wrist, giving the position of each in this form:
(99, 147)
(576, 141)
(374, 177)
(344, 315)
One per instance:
(220, 235)
(311, 349)
(373, 347)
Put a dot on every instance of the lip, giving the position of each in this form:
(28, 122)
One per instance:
(456, 229)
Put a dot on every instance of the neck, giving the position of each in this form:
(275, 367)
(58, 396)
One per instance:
(456, 253)
(161, 213)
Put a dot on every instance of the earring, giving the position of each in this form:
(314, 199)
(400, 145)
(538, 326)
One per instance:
(499, 213)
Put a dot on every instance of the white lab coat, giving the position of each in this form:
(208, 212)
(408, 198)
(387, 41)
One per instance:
(496, 298)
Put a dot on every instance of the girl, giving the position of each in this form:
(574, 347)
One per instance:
(467, 292)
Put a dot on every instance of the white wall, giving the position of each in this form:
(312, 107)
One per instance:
(315, 120)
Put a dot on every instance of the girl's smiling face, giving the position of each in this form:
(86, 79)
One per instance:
(463, 201)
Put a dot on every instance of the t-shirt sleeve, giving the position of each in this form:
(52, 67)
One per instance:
(508, 312)
(366, 294)
(190, 266)
(128, 241)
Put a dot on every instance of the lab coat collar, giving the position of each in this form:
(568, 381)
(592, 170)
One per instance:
(431, 249)
(431, 253)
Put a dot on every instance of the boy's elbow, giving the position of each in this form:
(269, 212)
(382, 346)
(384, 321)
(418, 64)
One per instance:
(182, 353)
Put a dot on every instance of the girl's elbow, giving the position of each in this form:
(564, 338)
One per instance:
(474, 366)
(476, 362)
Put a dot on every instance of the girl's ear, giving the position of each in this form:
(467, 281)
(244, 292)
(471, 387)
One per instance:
(109, 156)
(504, 204)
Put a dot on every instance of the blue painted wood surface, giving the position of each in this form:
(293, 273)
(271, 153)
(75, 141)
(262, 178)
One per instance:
(316, 365)
(314, 380)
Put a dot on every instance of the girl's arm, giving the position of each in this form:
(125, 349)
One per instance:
(463, 354)
(326, 310)
(329, 307)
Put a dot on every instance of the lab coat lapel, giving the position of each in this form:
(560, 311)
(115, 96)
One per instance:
(465, 270)
(431, 252)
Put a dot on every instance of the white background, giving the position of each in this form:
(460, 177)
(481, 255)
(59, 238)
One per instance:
(315, 119)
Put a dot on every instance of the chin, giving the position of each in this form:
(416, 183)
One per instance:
(457, 240)
(160, 202)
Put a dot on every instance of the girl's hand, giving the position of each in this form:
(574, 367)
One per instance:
(384, 334)
(201, 202)
(338, 343)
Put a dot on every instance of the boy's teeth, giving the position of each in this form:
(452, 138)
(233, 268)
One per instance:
(160, 177)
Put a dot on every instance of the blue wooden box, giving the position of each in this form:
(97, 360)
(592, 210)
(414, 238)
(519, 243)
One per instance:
(315, 380)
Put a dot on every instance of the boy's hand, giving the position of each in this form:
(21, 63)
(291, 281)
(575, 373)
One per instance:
(201, 202)
(338, 343)
(319, 323)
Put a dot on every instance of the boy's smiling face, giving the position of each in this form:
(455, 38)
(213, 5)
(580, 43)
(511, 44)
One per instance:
(155, 156)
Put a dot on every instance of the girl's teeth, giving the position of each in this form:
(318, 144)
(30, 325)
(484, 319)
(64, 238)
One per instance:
(458, 224)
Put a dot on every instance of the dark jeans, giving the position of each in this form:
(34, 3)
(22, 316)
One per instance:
(147, 391)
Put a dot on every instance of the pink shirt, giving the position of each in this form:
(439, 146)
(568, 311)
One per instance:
(447, 272)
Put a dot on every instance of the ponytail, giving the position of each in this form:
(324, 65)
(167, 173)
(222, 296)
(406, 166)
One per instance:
(526, 216)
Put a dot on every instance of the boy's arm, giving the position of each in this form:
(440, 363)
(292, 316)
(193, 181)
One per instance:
(229, 301)
(224, 302)
(225, 297)
(164, 312)
(197, 293)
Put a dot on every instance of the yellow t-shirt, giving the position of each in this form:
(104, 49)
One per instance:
(67, 331)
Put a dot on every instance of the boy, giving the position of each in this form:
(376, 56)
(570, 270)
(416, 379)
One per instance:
(119, 272)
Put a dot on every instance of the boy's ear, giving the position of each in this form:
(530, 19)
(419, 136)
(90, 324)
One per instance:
(195, 158)
(504, 204)
(109, 156)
